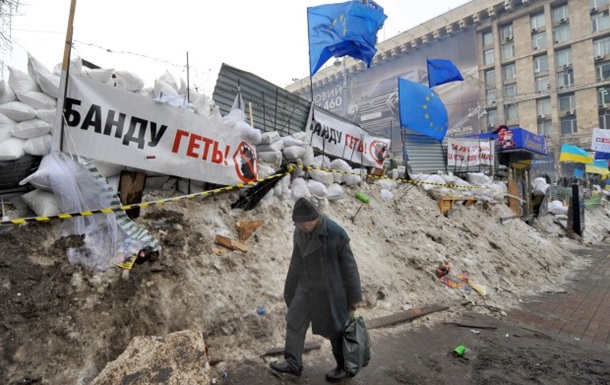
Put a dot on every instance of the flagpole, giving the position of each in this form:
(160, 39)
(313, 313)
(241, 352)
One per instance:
(188, 93)
(65, 69)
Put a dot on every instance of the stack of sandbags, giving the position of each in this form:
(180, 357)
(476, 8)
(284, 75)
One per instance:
(21, 130)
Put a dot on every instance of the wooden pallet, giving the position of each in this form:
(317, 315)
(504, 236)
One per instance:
(446, 204)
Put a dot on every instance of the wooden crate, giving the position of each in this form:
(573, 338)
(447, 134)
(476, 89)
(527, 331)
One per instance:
(446, 204)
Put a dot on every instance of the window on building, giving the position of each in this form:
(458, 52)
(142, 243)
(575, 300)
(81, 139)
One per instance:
(537, 22)
(490, 97)
(543, 106)
(568, 125)
(545, 128)
(509, 72)
(565, 79)
(601, 46)
(563, 57)
(490, 79)
(600, 21)
(488, 38)
(567, 102)
(560, 14)
(543, 83)
(539, 40)
(541, 63)
(492, 118)
(511, 112)
(603, 96)
(602, 71)
(561, 33)
(508, 51)
(510, 91)
(488, 56)
(604, 119)
(594, 4)
(506, 32)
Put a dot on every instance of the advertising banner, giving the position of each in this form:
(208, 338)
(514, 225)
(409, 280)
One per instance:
(345, 140)
(110, 124)
(469, 152)
(600, 142)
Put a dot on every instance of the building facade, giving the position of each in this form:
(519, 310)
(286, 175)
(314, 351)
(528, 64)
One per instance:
(543, 65)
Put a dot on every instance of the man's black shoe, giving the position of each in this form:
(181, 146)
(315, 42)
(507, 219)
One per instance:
(285, 367)
(336, 375)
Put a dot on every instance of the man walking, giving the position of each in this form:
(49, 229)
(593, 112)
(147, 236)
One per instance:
(322, 286)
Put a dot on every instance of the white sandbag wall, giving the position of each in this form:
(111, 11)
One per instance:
(28, 103)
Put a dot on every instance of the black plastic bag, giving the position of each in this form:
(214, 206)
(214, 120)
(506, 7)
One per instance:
(356, 345)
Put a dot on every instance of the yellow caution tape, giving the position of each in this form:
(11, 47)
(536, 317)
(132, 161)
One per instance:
(291, 168)
(141, 205)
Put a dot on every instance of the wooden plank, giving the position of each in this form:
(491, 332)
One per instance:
(308, 346)
(131, 187)
(246, 228)
(408, 315)
(513, 203)
(230, 243)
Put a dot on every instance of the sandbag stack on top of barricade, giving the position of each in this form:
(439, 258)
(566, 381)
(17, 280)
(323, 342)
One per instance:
(28, 104)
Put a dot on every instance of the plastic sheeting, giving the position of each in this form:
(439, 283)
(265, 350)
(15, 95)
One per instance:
(79, 188)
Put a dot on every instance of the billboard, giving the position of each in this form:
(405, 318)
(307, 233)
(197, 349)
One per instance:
(370, 97)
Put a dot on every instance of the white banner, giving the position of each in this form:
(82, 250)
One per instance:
(470, 152)
(600, 142)
(110, 124)
(346, 140)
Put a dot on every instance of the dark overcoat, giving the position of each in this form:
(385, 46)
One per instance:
(322, 279)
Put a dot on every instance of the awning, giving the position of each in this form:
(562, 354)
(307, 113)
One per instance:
(516, 140)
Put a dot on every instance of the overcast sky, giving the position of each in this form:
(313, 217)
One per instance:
(148, 37)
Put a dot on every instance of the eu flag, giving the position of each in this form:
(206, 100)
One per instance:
(441, 71)
(342, 29)
(422, 110)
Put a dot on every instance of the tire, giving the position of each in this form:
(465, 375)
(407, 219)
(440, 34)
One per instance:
(13, 171)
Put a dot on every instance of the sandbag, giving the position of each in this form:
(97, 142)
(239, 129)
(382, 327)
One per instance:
(325, 177)
(163, 88)
(273, 157)
(21, 82)
(11, 149)
(37, 99)
(6, 93)
(18, 111)
(133, 82)
(5, 132)
(270, 137)
(48, 115)
(101, 75)
(299, 189)
(40, 179)
(335, 192)
(293, 153)
(308, 158)
(32, 128)
(43, 203)
(39, 146)
(316, 188)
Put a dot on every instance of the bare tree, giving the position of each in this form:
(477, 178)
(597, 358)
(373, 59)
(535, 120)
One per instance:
(8, 8)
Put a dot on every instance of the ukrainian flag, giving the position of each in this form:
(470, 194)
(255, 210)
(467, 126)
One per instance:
(598, 167)
(571, 153)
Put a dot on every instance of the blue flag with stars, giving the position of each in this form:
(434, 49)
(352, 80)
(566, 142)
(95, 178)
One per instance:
(441, 71)
(342, 29)
(422, 110)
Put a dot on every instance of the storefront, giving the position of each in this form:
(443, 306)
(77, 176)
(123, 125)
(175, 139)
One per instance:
(517, 148)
